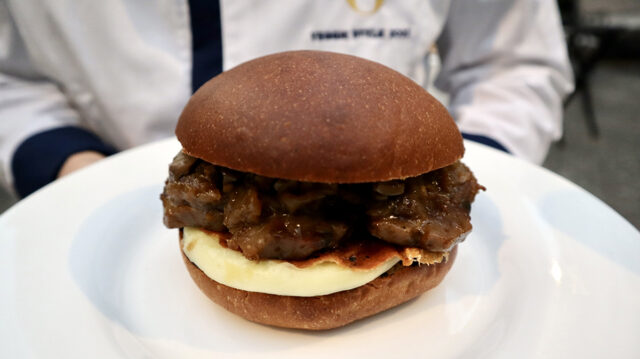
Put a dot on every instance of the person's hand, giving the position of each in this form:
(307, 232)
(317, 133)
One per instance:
(79, 160)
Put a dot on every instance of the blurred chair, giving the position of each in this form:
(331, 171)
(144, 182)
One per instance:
(593, 27)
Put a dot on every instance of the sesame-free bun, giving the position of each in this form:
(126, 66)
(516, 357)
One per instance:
(397, 286)
(318, 117)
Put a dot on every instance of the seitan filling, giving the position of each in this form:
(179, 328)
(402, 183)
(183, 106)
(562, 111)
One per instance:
(269, 218)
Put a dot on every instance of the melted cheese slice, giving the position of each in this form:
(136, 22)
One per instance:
(232, 269)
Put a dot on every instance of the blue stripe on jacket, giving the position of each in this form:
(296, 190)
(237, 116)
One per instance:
(38, 159)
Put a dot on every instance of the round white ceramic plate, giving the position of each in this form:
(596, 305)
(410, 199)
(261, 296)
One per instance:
(87, 270)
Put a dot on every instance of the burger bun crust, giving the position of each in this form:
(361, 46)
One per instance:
(319, 117)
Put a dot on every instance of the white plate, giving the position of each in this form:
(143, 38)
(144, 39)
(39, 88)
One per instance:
(88, 270)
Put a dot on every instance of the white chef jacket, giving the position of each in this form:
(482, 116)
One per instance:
(122, 68)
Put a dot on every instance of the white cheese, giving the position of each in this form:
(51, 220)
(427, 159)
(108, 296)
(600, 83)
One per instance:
(232, 269)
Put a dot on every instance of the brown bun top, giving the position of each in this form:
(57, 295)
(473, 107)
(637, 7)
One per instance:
(319, 117)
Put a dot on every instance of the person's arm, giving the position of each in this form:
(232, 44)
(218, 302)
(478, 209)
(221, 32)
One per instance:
(79, 160)
(39, 129)
(505, 65)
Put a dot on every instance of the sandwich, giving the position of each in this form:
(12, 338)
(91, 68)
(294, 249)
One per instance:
(314, 189)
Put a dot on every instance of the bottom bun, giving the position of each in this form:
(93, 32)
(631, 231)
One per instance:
(396, 286)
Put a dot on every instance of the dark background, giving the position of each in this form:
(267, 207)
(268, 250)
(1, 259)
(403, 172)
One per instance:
(600, 150)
